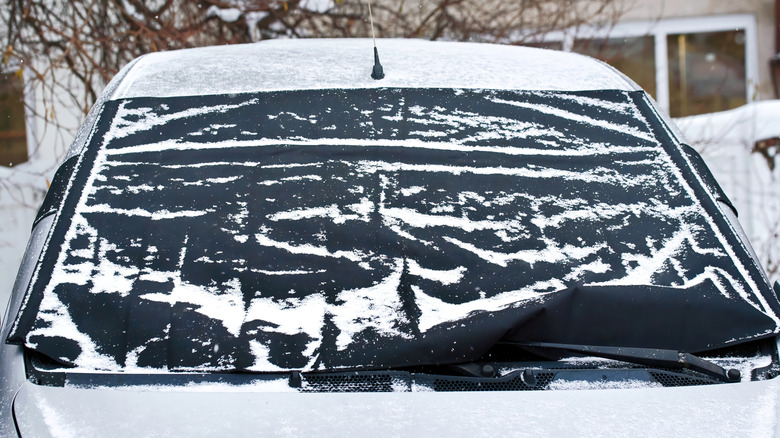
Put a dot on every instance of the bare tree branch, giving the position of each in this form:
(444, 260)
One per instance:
(93, 39)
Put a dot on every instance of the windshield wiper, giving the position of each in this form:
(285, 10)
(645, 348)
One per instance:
(652, 357)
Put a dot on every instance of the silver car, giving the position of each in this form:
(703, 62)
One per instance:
(266, 240)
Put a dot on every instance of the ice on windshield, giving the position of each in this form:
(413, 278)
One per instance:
(330, 229)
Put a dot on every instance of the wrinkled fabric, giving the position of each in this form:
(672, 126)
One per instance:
(375, 228)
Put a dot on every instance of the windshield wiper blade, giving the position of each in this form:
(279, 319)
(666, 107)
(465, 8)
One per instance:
(653, 357)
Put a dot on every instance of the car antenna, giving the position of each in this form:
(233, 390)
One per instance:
(378, 72)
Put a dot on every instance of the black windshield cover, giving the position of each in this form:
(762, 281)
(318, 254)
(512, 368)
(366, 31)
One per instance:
(389, 227)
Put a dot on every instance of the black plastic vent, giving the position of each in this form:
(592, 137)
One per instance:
(446, 384)
(404, 382)
(380, 382)
(674, 379)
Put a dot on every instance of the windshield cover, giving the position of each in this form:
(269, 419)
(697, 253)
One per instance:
(332, 229)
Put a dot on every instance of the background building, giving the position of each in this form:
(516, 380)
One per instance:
(694, 57)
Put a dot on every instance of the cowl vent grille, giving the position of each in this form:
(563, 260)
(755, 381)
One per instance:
(412, 382)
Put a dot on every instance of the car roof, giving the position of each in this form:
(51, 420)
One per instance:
(346, 63)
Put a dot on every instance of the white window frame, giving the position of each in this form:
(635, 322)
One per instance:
(660, 29)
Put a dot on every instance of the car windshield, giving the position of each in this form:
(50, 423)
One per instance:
(333, 229)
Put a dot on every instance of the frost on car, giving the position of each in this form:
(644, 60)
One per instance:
(368, 229)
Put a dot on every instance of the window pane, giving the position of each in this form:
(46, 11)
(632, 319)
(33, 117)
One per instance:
(13, 137)
(706, 72)
(635, 57)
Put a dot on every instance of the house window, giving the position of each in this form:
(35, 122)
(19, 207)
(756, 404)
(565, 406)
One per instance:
(13, 135)
(634, 56)
(706, 72)
(689, 65)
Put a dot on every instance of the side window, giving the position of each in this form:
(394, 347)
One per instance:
(13, 135)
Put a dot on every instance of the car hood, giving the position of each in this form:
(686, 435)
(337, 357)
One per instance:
(746, 409)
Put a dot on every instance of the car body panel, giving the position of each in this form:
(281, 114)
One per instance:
(747, 409)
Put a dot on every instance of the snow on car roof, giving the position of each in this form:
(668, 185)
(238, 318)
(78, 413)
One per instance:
(346, 63)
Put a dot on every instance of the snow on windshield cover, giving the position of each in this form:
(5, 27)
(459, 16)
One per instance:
(374, 228)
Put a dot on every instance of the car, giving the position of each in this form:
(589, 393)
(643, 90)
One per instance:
(264, 239)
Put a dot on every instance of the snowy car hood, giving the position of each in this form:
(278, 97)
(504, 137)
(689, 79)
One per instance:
(346, 63)
(744, 409)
